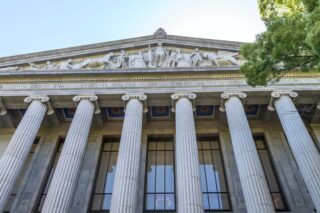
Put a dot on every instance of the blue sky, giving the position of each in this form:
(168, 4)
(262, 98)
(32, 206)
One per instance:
(37, 25)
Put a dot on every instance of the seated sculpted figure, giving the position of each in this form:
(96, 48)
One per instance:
(138, 61)
(49, 65)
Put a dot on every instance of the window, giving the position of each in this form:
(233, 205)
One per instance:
(160, 185)
(101, 198)
(51, 172)
(213, 181)
(275, 190)
(18, 183)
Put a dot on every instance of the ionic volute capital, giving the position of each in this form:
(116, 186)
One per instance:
(139, 96)
(92, 98)
(226, 95)
(277, 94)
(3, 109)
(176, 96)
(43, 99)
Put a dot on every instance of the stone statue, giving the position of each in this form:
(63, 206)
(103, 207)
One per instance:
(33, 66)
(138, 61)
(10, 68)
(213, 58)
(175, 57)
(65, 65)
(196, 58)
(49, 65)
(151, 57)
(160, 54)
(103, 62)
(122, 60)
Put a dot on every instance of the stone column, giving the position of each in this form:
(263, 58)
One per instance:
(300, 142)
(18, 148)
(252, 178)
(65, 177)
(189, 194)
(126, 185)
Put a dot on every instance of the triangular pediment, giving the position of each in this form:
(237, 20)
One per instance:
(153, 51)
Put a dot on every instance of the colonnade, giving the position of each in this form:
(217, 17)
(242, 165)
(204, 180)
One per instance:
(189, 196)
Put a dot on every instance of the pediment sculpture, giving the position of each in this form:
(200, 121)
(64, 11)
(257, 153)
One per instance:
(158, 56)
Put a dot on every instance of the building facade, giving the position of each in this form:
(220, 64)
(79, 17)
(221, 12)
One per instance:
(159, 123)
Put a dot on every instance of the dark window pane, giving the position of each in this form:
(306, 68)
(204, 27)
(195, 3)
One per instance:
(106, 203)
(151, 171)
(160, 176)
(149, 203)
(169, 172)
(205, 200)
(214, 201)
(170, 202)
(159, 203)
(160, 172)
(105, 177)
(212, 176)
(111, 172)
(278, 200)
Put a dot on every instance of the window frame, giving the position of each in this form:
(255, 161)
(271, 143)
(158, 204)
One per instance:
(114, 139)
(217, 138)
(272, 164)
(163, 138)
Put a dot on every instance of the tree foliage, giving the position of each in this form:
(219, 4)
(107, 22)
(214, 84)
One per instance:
(291, 41)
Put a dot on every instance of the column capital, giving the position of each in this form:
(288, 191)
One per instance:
(140, 96)
(90, 97)
(277, 94)
(176, 96)
(226, 95)
(42, 98)
(3, 109)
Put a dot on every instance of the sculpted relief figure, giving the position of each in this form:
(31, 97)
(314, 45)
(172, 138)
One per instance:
(176, 58)
(196, 58)
(122, 60)
(65, 65)
(9, 68)
(160, 55)
(103, 62)
(49, 65)
(138, 61)
(214, 58)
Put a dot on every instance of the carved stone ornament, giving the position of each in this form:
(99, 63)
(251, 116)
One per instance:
(43, 99)
(3, 109)
(92, 98)
(225, 96)
(141, 97)
(176, 96)
(277, 94)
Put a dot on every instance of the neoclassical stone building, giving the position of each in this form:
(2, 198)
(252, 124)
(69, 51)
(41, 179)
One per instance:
(159, 123)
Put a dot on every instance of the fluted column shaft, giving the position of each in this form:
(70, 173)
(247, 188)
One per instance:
(18, 148)
(302, 146)
(126, 185)
(253, 181)
(189, 194)
(63, 184)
